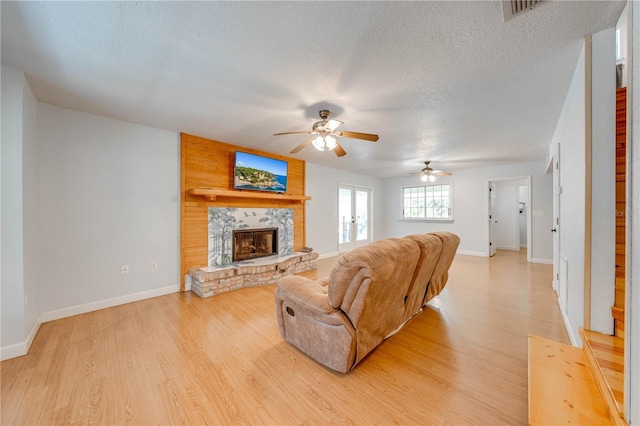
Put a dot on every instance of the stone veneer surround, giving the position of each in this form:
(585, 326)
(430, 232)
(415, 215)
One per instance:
(222, 221)
(221, 275)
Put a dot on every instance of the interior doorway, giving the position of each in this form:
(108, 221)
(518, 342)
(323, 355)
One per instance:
(509, 214)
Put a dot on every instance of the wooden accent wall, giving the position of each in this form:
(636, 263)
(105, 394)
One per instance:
(209, 163)
(621, 188)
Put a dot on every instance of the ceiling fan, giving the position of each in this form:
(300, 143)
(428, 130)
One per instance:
(324, 135)
(428, 174)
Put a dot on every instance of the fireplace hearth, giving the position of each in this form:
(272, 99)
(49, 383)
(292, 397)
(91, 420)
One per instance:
(254, 243)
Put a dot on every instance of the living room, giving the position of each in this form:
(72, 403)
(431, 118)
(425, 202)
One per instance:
(92, 193)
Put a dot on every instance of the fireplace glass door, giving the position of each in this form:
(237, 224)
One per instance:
(254, 243)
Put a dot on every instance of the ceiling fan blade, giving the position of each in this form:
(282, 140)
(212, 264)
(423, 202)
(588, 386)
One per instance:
(357, 135)
(302, 145)
(440, 173)
(339, 150)
(292, 133)
(333, 124)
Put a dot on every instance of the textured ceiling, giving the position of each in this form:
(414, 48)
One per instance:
(443, 81)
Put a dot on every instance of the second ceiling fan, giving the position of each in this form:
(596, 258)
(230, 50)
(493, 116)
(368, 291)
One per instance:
(428, 174)
(324, 135)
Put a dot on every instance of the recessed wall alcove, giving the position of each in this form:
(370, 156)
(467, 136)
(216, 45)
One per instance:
(206, 168)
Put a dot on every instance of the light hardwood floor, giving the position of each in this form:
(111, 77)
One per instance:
(179, 359)
(609, 353)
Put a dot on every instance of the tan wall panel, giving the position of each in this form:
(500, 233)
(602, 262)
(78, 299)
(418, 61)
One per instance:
(208, 163)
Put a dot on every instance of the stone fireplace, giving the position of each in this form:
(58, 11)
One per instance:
(248, 247)
(254, 243)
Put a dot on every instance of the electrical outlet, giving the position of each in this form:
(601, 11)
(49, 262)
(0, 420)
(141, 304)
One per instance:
(125, 269)
(154, 265)
(26, 300)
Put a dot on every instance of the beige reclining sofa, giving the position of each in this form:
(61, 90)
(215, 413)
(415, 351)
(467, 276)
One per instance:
(371, 292)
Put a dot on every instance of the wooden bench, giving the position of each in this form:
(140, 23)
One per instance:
(562, 389)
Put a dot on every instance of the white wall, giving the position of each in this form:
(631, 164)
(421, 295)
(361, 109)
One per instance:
(322, 210)
(470, 208)
(570, 135)
(30, 213)
(12, 267)
(603, 243)
(108, 196)
(19, 262)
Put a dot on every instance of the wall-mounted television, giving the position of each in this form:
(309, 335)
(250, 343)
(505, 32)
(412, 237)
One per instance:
(259, 173)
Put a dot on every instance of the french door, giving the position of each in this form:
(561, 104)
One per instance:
(354, 216)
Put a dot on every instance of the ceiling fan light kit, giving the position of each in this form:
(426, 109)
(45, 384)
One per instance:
(427, 177)
(324, 142)
(324, 135)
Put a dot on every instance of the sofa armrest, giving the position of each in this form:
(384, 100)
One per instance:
(312, 294)
(308, 322)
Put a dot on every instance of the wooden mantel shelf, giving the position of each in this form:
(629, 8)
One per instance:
(210, 194)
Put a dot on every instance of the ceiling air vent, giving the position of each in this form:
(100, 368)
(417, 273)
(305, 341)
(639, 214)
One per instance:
(512, 8)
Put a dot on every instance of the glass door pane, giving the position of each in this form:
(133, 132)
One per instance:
(354, 228)
(344, 215)
(362, 212)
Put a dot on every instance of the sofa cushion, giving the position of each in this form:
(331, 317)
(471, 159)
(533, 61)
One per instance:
(440, 275)
(369, 285)
(430, 250)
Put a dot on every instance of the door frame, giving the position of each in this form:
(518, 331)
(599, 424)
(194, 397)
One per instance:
(527, 206)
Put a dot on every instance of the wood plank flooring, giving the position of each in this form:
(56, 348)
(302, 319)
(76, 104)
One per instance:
(179, 359)
(609, 354)
(564, 369)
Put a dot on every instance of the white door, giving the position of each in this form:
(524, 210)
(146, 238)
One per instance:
(492, 217)
(354, 207)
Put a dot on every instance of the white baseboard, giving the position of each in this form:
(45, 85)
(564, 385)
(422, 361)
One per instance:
(13, 351)
(567, 324)
(187, 282)
(32, 333)
(331, 254)
(508, 248)
(435, 303)
(539, 260)
(473, 253)
(20, 349)
(108, 303)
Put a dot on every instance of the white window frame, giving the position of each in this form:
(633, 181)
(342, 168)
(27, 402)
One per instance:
(425, 218)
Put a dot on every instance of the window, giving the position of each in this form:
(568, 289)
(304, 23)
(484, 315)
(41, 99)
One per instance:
(430, 202)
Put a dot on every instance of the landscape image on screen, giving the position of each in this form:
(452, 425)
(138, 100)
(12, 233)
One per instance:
(259, 173)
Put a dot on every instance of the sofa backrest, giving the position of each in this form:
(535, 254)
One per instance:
(430, 250)
(440, 274)
(369, 285)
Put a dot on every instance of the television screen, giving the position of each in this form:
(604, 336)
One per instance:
(259, 173)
